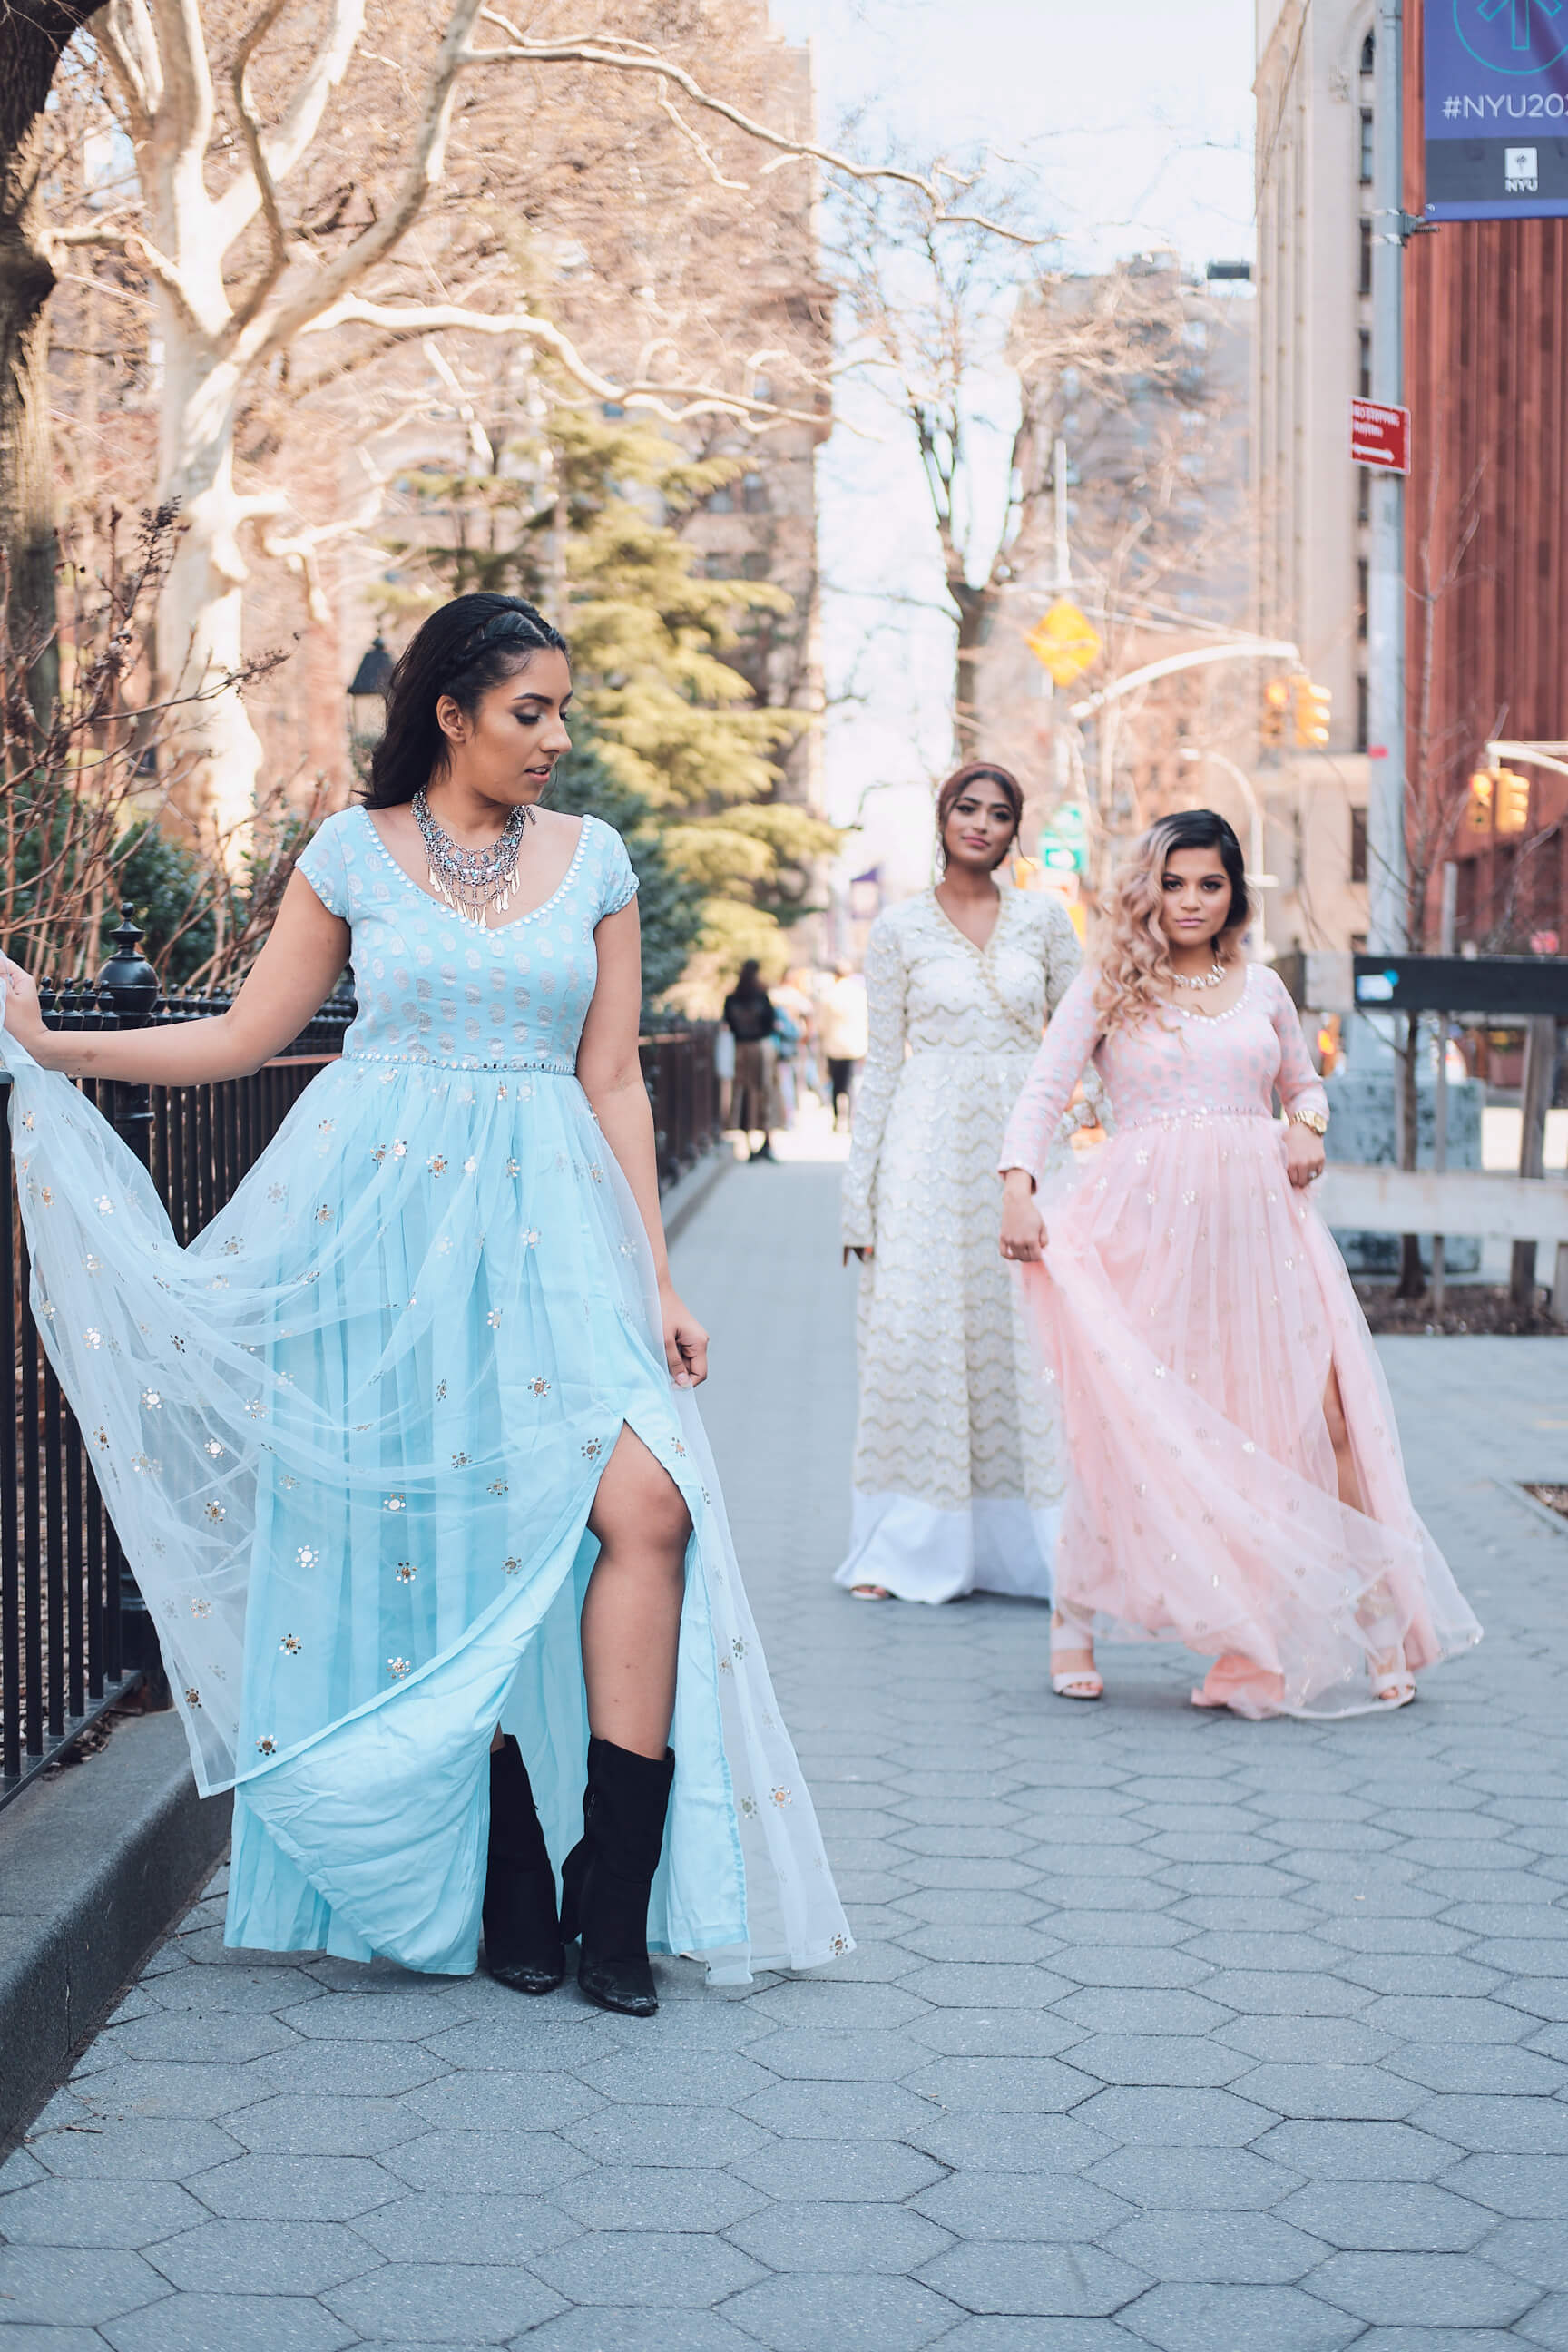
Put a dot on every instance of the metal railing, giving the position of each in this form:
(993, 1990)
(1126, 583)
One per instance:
(75, 1637)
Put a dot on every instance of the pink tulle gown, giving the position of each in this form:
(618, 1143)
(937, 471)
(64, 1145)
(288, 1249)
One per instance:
(1190, 1307)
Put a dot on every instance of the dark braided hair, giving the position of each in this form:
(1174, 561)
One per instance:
(463, 649)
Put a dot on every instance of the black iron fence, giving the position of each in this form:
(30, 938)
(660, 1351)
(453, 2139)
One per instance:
(75, 1635)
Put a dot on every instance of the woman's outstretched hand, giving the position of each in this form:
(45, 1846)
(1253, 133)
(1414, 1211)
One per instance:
(1304, 1155)
(1022, 1227)
(685, 1342)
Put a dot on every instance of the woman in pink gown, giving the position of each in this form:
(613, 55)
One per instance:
(1237, 1483)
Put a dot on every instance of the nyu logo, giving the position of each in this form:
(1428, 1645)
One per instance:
(1513, 36)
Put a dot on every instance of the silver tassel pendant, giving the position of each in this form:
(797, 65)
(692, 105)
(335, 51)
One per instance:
(472, 882)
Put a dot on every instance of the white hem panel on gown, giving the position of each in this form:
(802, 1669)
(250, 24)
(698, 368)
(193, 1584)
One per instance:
(920, 1552)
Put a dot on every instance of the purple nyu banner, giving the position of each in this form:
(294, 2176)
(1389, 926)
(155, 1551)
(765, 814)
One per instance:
(1496, 75)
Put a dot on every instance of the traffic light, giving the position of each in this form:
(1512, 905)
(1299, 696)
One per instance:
(1512, 802)
(1275, 703)
(1478, 807)
(1311, 706)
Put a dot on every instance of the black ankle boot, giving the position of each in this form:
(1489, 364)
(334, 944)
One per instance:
(606, 1878)
(522, 1932)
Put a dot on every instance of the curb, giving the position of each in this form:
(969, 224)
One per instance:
(95, 1867)
(687, 1194)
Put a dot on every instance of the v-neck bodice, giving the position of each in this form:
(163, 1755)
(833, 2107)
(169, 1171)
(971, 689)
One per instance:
(434, 988)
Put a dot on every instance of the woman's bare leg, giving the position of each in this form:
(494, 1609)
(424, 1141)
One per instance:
(631, 1616)
(1345, 1471)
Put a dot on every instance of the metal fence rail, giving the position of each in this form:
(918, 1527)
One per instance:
(75, 1635)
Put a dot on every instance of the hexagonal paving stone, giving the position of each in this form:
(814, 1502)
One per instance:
(1162, 2118)
(356, 2070)
(1229, 2179)
(230, 2322)
(1221, 2249)
(72, 2286)
(633, 2134)
(442, 2303)
(838, 2110)
(502, 2100)
(1423, 2290)
(426, 2227)
(1035, 2281)
(657, 2197)
(85, 2213)
(805, 2311)
(594, 2328)
(1535, 2251)
(297, 2187)
(292, 2124)
(1022, 2207)
(254, 2258)
(840, 2236)
(647, 2266)
(166, 2087)
(483, 2164)
(1261, 2319)
(1396, 2217)
(1357, 2151)
(849, 2170)
(999, 2086)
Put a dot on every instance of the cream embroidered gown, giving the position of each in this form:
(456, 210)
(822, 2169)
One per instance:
(958, 1475)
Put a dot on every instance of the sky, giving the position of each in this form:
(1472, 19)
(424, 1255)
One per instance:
(1136, 121)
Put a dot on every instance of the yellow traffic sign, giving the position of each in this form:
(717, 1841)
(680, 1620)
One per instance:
(1065, 642)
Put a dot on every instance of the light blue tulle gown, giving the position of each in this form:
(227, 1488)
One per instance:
(350, 1435)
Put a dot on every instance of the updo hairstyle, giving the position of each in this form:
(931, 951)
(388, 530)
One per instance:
(463, 649)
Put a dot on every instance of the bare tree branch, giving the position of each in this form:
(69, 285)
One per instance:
(616, 56)
(283, 148)
(266, 193)
(435, 317)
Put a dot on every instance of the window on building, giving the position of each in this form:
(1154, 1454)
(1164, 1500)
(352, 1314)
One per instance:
(1363, 585)
(1364, 284)
(1368, 53)
(1364, 370)
(721, 500)
(1363, 712)
(1358, 844)
(755, 565)
(1367, 146)
(718, 567)
(755, 494)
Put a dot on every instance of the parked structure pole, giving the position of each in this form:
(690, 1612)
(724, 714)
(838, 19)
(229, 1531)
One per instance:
(1386, 867)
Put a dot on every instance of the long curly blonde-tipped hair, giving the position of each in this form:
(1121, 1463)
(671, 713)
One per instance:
(1134, 955)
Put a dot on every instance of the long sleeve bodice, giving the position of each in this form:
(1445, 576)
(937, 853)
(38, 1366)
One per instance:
(1161, 1071)
(932, 992)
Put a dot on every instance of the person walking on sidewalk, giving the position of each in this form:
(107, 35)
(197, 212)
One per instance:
(957, 1481)
(842, 1023)
(403, 1447)
(1237, 1483)
(750, 1018)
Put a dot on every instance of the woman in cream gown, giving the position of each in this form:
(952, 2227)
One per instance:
(958, 1478)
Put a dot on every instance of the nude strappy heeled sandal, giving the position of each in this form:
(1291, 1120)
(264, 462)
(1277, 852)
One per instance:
(1073, 1681)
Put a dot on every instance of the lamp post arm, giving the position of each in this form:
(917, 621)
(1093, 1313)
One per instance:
(1248, 649)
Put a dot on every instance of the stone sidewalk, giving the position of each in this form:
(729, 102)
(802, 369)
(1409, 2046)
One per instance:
(1165, 2028)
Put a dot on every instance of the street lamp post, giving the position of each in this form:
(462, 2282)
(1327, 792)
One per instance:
(367, 686)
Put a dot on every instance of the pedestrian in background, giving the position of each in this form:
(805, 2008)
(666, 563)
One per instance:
(957, 1483)
(750, 1017)
(1236, 1484)
(842, 1023)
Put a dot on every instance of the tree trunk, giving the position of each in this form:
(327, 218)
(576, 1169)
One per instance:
(200, 628)
(31, 39)
(974, 614)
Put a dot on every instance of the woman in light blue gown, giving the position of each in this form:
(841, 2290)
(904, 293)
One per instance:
(403, 1447)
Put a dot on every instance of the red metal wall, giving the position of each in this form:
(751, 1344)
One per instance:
(1485, 313)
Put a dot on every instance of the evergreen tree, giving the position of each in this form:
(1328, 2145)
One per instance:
(670, 903)
(582, 506)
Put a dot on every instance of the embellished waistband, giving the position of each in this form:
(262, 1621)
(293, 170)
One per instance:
(1200, 1115)
(456, 1063)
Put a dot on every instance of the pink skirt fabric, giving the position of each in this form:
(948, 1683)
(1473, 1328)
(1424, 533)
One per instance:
(1190, 1309)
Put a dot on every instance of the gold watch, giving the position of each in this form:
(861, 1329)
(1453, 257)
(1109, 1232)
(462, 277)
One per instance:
(1318, 1121)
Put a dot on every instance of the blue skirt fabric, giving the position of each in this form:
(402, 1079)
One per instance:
(350, 1437)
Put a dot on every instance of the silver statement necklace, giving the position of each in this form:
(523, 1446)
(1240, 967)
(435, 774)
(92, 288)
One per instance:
(472, 881)
(1214, 977)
